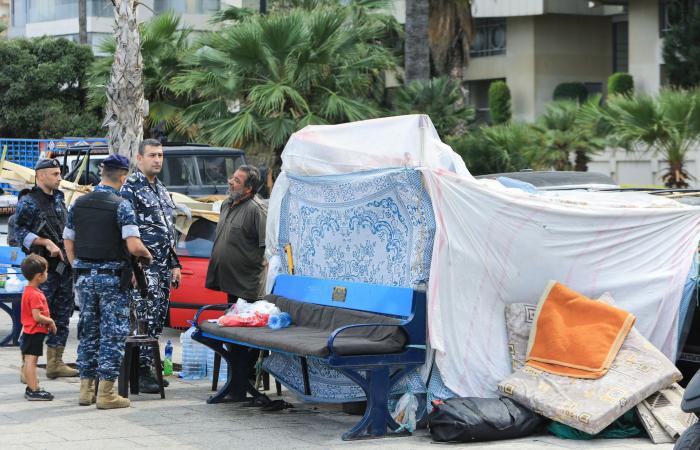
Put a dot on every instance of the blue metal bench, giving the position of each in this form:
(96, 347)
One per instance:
(375, 373)
(10, 302)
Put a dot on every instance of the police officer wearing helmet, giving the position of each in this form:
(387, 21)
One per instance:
(39, 219)
(101, 233)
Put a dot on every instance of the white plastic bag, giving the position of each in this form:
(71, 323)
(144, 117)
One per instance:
(265, 307)
(405, 412)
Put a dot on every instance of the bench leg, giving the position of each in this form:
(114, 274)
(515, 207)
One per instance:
(237, 382)
(376, 384)
(215, 374)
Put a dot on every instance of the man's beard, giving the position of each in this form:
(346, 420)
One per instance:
(235, 195)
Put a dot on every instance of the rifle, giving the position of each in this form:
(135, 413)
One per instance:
(139, 276)
(48, 232)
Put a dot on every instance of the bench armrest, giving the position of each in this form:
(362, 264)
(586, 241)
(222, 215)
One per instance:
(215, 306)
(336, 332)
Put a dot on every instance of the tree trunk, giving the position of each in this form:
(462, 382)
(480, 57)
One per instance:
(124, 110)
(82, 21)
(450, 30)
(582, 160)
(417, 50)
(676, 177)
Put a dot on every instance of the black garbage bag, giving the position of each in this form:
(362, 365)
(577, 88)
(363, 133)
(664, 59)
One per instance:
(472, 419)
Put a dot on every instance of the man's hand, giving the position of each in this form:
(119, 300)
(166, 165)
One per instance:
(53, 249)
(176, 277)
(146, 260)
(52, 327)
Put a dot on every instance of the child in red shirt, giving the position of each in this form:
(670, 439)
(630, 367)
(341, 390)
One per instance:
(36, 324)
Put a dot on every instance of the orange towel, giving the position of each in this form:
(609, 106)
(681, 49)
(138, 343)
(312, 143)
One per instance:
(575, 336)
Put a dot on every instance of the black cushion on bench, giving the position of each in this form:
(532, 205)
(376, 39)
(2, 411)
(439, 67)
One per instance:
(313, 324)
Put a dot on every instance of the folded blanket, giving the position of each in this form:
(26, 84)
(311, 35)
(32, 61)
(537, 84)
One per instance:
(588, 405)
(575, 336)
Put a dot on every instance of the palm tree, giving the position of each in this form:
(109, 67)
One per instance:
(515, 142)
(264, 78)
(450, 31)
(441, 99)
(82, 21)
(495, 149)
(561, 133)
(417, 48)
(668, 124)
(124, 109)
(439, 31)
(164, 46)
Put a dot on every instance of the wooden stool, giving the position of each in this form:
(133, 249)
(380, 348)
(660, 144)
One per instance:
(265, 375)
(129, 373)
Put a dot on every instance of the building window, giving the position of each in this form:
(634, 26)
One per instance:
(100, 8)
(48, 10)
(671, 12)
(620, 47)
(489, 38)
(187, 6)
(479, 98)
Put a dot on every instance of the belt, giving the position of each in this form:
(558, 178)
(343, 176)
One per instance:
(93, 272)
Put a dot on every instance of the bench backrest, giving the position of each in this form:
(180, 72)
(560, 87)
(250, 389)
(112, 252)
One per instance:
(10, 256)
(388, 300)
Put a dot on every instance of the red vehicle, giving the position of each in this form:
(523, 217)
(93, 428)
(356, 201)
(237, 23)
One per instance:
(194, 250)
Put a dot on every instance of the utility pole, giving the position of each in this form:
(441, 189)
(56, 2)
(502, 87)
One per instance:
(263, 6)
(82, 21)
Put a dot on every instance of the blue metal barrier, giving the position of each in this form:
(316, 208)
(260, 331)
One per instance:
(26, 152)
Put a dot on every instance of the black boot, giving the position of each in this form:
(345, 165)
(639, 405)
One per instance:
(148, 384)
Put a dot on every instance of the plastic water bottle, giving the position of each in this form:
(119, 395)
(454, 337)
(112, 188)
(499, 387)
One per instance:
(168, 362)
(279, 321)
(14, 284)
(223, 369)
(194, 357)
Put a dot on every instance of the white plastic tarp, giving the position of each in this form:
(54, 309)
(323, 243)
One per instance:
(402, 141)
(495, 245)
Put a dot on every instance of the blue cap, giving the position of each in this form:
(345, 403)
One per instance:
(116, 161)
(47, 164)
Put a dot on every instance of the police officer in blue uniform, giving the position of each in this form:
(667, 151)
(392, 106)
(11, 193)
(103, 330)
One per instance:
(39, 220)
(154, 214)
(102, 264)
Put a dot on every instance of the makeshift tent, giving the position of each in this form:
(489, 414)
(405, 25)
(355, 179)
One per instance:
(495, 245)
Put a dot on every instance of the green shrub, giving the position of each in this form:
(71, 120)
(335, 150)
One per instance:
(495, 149)
(620, 83)
(499, 102)
(571, 91)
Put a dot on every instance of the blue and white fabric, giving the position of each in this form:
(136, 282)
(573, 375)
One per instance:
(370, 227)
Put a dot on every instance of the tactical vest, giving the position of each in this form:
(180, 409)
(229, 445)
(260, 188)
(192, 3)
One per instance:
(56, 219)
(51, 227)
(98, 236)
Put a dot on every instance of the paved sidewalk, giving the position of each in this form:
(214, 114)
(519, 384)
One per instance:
(184, 420)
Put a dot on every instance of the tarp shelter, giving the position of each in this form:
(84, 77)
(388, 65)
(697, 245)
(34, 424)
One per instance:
(494, 245)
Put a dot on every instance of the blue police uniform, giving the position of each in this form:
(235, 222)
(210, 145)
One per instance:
(155, 217)
(31, 216)
(104, 304)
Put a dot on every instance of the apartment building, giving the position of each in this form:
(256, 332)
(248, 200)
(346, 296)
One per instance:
(537, 44)
(31, 18)
(534, 45)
